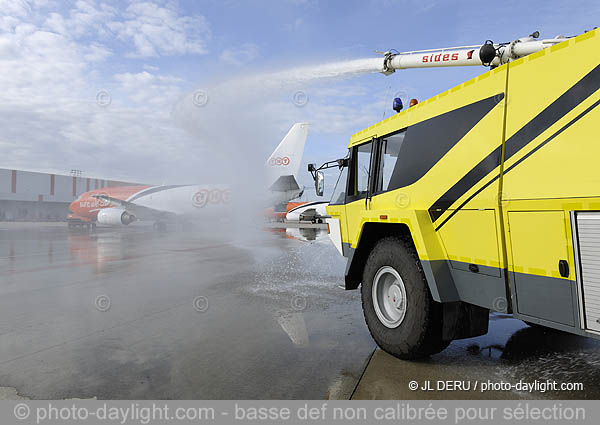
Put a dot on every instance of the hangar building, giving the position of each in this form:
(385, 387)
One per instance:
(32, 196)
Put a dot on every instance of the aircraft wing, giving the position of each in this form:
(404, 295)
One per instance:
(141, 212)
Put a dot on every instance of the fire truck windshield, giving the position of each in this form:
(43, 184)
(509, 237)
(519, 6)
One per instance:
(338, 196)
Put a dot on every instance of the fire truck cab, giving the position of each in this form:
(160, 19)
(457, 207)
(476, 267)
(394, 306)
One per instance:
(483, 198)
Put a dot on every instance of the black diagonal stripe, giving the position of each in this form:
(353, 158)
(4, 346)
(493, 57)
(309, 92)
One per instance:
(549, 139)
(537, 148)
(544, 120)
(426, 142)
(481, 170)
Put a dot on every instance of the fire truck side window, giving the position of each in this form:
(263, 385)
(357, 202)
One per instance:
(361, 163)
(390, 149)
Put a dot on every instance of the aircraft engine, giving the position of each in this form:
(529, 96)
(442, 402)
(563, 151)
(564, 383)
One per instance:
(115, 216)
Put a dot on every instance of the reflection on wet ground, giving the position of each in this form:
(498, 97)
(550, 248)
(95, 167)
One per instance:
(132, 313)
(512, 353)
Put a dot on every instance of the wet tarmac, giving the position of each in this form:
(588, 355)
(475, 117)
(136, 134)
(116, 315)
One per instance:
(513, 361)
(135, 314)
(132, 313)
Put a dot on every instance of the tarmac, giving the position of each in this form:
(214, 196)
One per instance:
(513, 361)
(131, 313)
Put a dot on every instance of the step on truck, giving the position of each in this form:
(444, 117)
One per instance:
(483, 198)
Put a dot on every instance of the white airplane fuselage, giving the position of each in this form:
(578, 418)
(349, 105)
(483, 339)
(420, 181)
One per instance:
(123, 205)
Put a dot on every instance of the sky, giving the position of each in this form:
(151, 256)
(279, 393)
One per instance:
(166, 91)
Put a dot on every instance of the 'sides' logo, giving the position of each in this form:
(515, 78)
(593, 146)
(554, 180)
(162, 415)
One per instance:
(277, 161)
(440, 57)
(204, 197)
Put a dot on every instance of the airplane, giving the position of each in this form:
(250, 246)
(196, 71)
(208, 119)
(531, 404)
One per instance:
(121, 206)
(315, 212)
(279, 212)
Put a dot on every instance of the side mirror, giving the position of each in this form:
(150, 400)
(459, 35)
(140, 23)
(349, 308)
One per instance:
(319, 183)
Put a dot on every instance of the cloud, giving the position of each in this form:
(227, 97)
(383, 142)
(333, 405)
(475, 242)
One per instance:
(85, 18)
(152, 68)
(145, 88)
(161, 31)
(18, 8)
(53, 65)
(96, 52)
(247, 52)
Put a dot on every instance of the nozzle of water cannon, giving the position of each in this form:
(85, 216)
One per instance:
(387, 58)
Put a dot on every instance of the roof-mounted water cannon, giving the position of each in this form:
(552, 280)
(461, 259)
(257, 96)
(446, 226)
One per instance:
(488, 54)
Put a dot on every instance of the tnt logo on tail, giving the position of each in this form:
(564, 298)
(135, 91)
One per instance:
(277, 161)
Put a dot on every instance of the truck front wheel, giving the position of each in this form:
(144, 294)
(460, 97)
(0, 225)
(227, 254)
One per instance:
(400, 313)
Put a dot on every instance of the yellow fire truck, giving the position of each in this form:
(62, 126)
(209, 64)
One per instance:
(483, 198)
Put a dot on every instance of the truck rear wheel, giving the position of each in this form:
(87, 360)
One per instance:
(400, 313)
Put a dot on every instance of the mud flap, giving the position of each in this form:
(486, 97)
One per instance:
(462, 320)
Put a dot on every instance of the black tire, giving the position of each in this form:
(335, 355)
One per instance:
(420, 332)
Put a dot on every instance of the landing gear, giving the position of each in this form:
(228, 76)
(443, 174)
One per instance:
(80, 226)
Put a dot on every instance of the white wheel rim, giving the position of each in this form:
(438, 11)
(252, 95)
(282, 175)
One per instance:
(389, 297)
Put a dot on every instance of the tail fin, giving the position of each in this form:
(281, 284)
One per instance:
(286, 159)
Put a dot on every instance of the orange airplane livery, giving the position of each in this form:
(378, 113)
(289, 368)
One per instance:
(123, 205)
